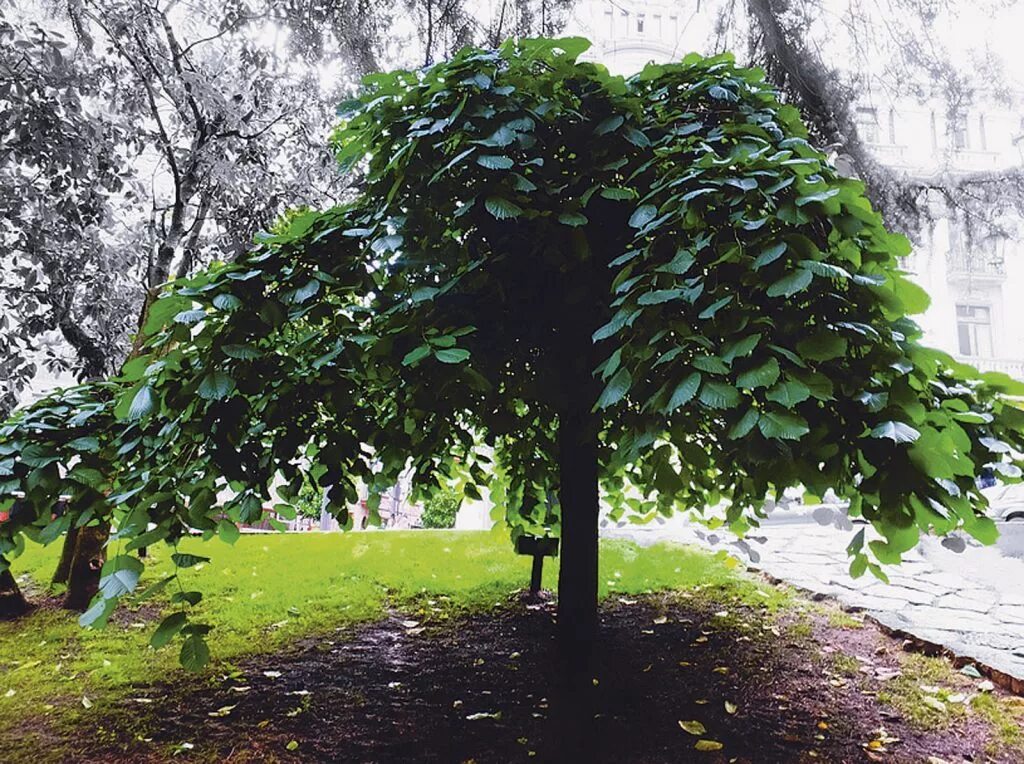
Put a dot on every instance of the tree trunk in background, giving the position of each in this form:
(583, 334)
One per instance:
(12, 601)
(90, 554)
(67, 554)
(88, 549)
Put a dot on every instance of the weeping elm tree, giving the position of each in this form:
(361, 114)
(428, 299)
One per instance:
(560, 286)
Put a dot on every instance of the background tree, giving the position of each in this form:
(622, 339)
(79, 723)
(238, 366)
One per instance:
(825, 58)
(552, 279)
(441, 509)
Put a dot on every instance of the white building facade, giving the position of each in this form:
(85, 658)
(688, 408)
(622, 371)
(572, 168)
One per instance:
(975, 275)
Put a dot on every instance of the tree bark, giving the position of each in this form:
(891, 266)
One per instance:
(577, 578)
(90, 554)
(12, 601)
(578, 471)
(67, 554)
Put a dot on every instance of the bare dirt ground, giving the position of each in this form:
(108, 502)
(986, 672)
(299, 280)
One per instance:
(672, 672)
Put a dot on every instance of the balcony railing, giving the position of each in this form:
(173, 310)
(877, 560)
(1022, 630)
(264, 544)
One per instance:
(977, 262)
(1013, 367)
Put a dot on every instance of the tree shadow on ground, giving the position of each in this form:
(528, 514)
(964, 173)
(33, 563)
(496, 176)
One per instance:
(678, 678)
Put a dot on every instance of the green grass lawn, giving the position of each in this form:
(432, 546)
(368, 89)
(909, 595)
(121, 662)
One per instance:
(269, 590)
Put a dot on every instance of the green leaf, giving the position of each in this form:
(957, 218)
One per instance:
(241, 352)
(228, 531)
(618, 194)
(745, 424)
(416, 355)
(502, 209)
(190, 316)
(226, 302)
(769, 254)
(609, 125)
(500, 138)
(713, 308)
(680, 264)
(215, 386)
(719, 395)
(684, 392)
(195, 653)
(306, 291)
(760, 376)
(740, 348)
(87, 443)
(789, 393)
(637, 137)
(136, 403)
(822, 346)
(790, 284)
(784, 425)
(495, 162)
(120, 576)
(185, 560)
(711, 364)
(897, 432)
(168, 627)
(643, 215)
(914, 298)
(451, 355)
(98, 613)
(573, 219)
(616, 389)
(658, 296)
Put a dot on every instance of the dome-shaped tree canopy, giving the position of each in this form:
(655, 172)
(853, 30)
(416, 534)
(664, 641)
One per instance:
(548, 277)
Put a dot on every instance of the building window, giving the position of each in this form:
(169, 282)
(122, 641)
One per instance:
(935, 132)
(867, 124)
(974, 330)
(892, 126)
(959, 132)
(982, 139)
(610, 18)
(640, 19)
(658, 31)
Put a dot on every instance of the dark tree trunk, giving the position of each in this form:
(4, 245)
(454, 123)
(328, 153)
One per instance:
(578, 469)
(577, 578)
(90, 554)
(87, 549)
(67, 554)
(12, 601)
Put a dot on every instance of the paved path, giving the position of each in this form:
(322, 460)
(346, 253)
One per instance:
(971, 602)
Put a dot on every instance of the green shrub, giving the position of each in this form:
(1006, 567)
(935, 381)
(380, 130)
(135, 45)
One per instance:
(441, 510)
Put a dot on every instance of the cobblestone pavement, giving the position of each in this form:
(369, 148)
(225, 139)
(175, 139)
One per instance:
(970, 602)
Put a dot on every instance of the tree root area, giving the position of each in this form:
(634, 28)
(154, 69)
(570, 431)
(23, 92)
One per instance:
(669, 672)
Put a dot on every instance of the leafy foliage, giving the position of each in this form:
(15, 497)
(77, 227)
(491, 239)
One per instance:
(739, 303)
(441, 509)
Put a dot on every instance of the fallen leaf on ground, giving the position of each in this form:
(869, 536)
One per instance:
(730, 708)
(708, 745)
(693, 727)
(484, 715)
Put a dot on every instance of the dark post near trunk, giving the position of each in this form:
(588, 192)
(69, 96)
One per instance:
(67, 554)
